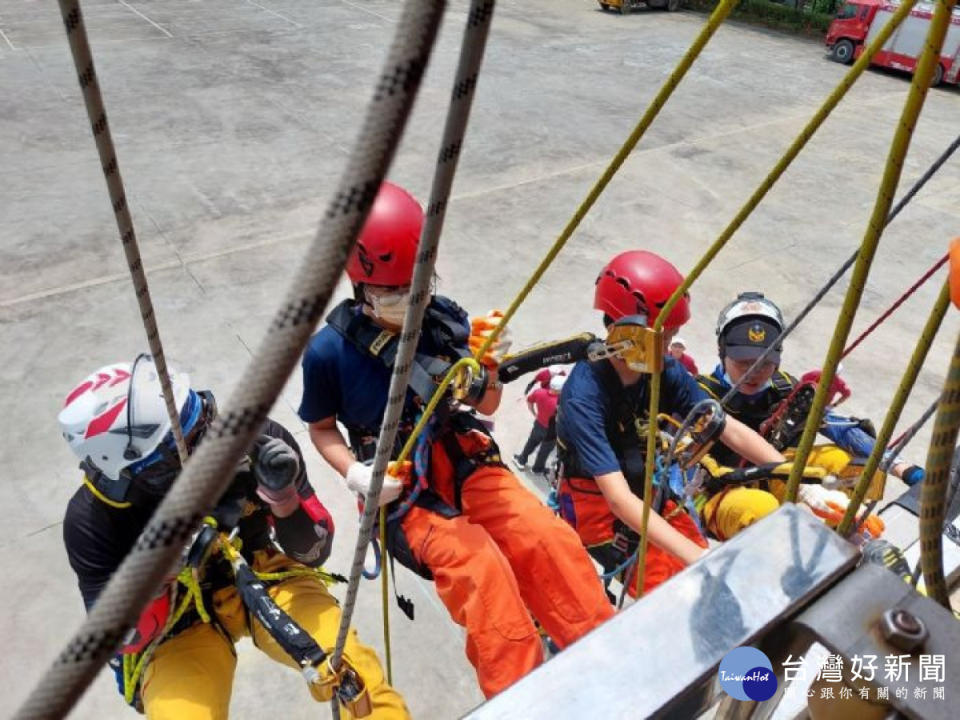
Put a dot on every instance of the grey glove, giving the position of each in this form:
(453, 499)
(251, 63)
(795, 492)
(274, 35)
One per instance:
(277, 464)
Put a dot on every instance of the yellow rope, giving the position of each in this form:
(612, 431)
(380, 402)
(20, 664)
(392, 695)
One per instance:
(385, 590)
(134, 664)
(933, 493)
(719, 14)
(458, 367)
(782, 164)
(319, 573)
(871, 239)
(896, 407)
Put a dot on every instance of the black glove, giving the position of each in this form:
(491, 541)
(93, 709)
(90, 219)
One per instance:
(277, 463)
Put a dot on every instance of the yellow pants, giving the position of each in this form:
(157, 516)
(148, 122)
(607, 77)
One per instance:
(730, 511)
(190, 676)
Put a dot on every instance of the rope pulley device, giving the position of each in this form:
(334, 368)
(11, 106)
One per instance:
(784, 426)
(629, 339)
(697, 434)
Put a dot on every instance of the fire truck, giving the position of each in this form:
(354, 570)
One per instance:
(859, 21)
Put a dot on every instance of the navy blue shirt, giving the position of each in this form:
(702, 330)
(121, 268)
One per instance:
(342, 381)
(585, 406)
(846, 432)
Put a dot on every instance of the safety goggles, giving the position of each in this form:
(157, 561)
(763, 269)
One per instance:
(159, 475)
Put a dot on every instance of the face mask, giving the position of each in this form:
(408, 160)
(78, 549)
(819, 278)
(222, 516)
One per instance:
(390, 307)
(729, 381)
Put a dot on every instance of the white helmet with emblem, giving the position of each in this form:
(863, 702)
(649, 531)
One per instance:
(749, 327)
(747, 305)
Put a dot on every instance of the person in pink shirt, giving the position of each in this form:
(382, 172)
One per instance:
(543, 406)
(678, 349)
(543, 377)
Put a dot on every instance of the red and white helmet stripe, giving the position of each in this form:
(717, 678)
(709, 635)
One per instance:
(94, 418)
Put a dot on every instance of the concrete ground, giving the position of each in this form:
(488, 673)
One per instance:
(233, 121)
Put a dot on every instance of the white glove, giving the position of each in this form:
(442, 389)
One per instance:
(358, 480)
(820, 499)
(830, 505)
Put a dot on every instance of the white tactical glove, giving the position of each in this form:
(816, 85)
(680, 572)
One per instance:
(822, 501)
(830, 505)
(358, 480)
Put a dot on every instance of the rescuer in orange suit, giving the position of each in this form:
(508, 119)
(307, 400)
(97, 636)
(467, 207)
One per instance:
(456, 515)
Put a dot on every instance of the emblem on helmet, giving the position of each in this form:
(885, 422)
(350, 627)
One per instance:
(756, 334)
(365, 262)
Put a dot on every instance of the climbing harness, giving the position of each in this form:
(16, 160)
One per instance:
(314, 661)
(445, 321)
(207, 542)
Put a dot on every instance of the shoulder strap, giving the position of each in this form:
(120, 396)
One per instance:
(447, 321)
(717, 389)
(711, 386)
(783, 383)
(363, 333)
(380, 344)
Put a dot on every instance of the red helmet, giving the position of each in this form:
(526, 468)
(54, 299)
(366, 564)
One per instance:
(387, 247)
(638, 282)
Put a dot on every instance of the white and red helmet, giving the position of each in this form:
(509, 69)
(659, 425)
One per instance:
(117, 415)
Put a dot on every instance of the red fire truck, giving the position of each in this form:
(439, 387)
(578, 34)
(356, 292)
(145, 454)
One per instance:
(859, 21)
